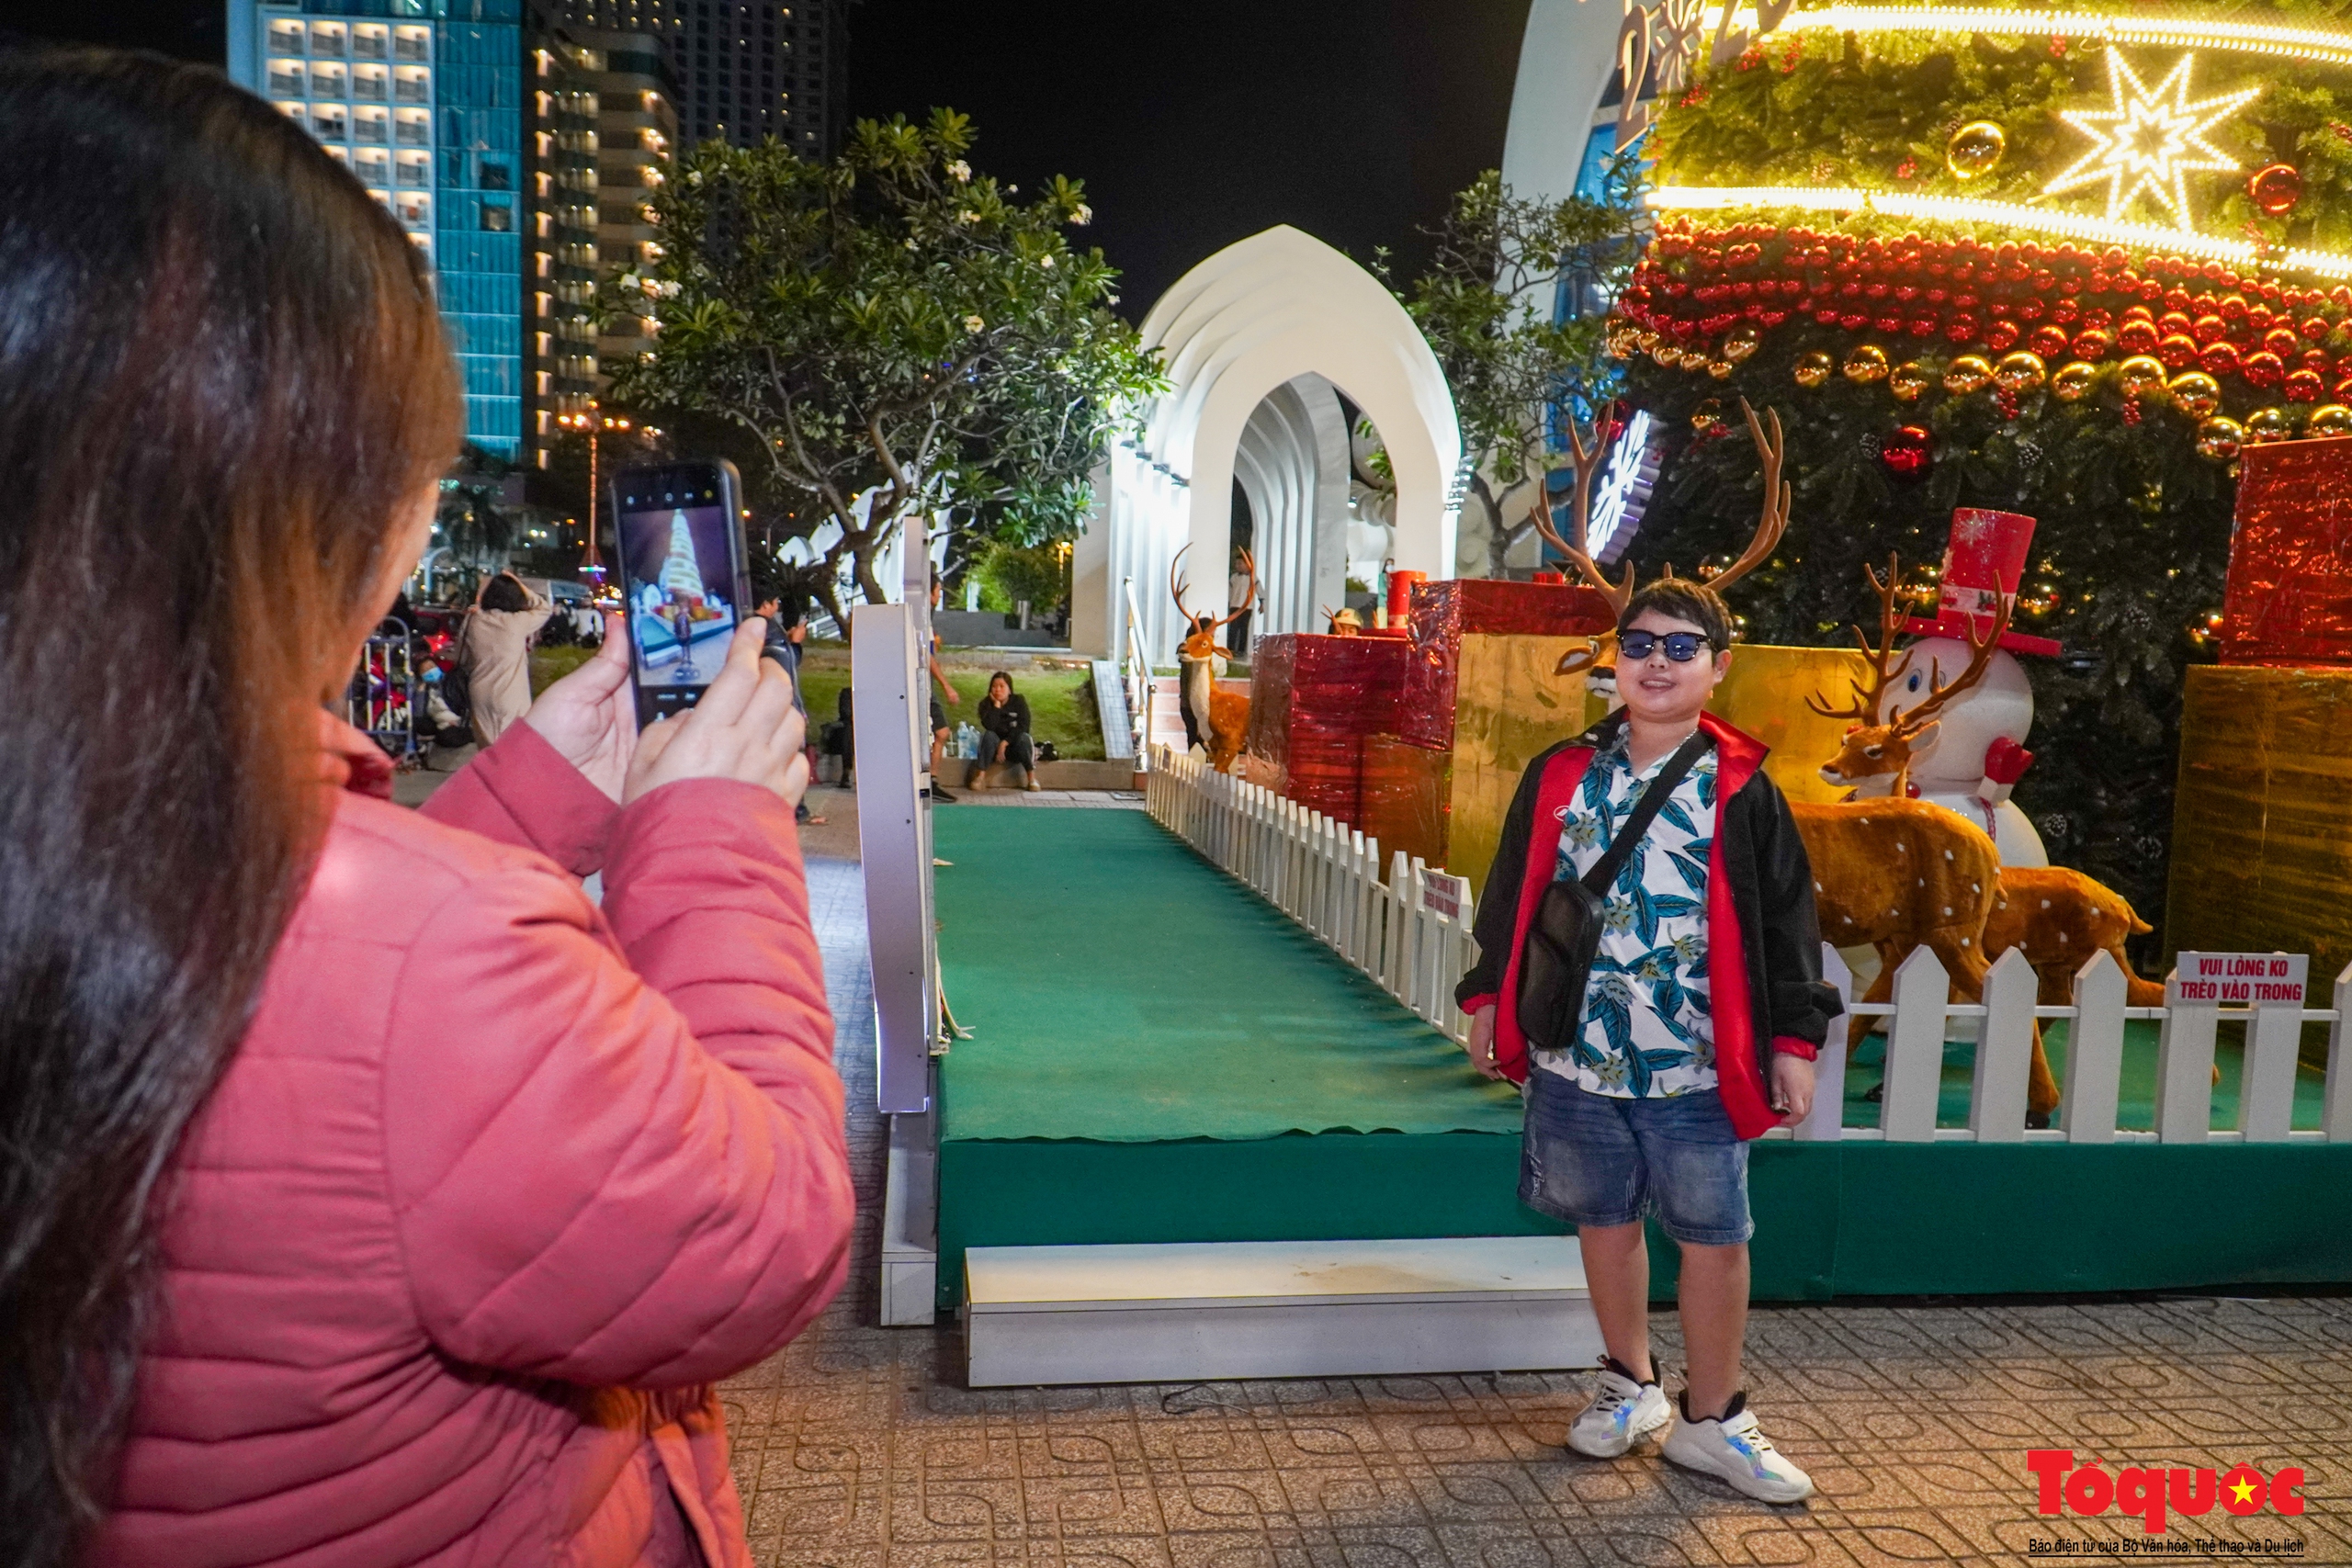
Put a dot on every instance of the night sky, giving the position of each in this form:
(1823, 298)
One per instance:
(1192, 126)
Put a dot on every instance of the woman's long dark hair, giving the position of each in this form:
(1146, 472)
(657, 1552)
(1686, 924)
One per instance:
(505, 592)
(221, 380)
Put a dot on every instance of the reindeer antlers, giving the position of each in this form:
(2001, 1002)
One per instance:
(1176, 586)
(1586, 457)
(1980, 659)
(1778, 493)
(1587, 460)
(1885, 668)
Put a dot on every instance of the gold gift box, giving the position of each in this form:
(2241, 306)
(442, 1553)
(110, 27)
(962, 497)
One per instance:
(2262, 826)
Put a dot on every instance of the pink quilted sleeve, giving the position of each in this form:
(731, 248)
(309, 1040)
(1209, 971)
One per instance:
(624, 1165)
(522, 791)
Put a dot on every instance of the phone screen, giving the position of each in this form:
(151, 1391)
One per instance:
(679, 580)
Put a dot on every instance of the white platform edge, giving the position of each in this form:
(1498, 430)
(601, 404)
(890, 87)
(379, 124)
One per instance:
(1091, 1317)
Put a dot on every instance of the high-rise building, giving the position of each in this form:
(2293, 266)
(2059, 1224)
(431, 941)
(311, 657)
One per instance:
(746, 70)
(423, 100)
(602, 118)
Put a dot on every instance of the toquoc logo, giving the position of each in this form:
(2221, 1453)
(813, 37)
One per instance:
(2149, 1493)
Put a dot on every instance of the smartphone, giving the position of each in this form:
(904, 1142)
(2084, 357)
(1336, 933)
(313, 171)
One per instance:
(684, 577)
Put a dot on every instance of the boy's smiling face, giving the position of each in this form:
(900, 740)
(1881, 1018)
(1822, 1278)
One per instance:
(1659, 691)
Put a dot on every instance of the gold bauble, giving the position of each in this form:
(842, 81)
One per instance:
(2073, 383)
(1865, 365)
(2218, 440)
(1694, 359)
(2328, 422)
(2265, 425)
(1707, 416)
(1646, 338)
(1623, 345)
(1974, 148)
(1666, 356)
(1908, 379)
(2141, 375)
(2195, 394)
(1741, 342)
(1969, 373)
(1812, 367)
(2019, 372)
(1721, 369)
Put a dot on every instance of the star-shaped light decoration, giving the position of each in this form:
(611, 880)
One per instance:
(2151, 139)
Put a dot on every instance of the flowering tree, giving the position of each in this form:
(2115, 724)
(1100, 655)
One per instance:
(888, 325)
(1488, 305)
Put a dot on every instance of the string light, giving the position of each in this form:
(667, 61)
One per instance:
(2155, 140)
(2007, 214)
(2245, 38)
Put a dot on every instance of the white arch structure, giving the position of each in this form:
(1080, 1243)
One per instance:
(1281, 314)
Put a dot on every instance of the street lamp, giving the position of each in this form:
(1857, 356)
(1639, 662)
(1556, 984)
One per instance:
(594, 424)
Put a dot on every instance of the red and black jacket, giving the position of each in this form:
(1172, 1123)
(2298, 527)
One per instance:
(1763, 938)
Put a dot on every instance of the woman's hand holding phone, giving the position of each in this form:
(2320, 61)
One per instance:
(589, 716)
(744, 728)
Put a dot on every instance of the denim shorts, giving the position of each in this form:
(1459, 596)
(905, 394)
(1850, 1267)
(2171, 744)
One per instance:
(1595, 1159)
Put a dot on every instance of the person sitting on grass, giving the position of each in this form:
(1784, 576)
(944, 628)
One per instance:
(1694, 1034)
(1004, 732)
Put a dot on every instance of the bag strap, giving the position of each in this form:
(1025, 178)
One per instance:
(1629, 835)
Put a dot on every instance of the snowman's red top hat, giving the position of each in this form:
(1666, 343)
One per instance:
(1984, 562)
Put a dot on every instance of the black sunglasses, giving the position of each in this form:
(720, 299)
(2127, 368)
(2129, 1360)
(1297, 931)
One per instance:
(1680, 647)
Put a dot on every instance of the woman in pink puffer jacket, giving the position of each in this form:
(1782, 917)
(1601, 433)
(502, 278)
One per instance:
(367, 1194)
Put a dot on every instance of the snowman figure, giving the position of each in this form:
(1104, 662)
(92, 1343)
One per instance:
(1973, 757)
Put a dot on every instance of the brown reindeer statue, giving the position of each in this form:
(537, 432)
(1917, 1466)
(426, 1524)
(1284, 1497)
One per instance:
(1879, 745)
(1222, 719)
(1596, 656)
(1896, 874)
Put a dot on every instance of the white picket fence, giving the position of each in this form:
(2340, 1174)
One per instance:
(1409, 928)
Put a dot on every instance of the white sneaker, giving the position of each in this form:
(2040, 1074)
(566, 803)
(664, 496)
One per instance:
(1623, 1412)
(1735, 1449)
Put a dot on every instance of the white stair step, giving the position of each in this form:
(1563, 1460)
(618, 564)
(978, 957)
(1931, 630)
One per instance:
(1185, 1312)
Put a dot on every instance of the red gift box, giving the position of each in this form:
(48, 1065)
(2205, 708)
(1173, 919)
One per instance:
(1312, 701)
(1444, 613)
(2290, 594)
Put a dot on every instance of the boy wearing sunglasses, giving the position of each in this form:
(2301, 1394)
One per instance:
(1699, 1024)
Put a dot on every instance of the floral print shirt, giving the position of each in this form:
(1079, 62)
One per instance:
(1647, 1032)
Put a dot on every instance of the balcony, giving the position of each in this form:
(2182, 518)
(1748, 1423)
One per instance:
(412, 87)
(370, 43)
(373, 129)
(369, 82)
(412, 43)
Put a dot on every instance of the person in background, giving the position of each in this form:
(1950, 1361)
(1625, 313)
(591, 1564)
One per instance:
(939, 731)
(1696, 1033)
(788, 636)
(1238, 588)
(1004, 732)
(495, 645)
(371, 1197)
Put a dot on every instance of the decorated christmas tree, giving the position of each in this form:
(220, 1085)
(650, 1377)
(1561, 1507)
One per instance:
(2063, 260)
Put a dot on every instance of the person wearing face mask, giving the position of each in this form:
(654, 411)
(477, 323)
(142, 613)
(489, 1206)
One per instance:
(1694, 1031)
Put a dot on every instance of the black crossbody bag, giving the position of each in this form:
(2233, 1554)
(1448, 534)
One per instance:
(1565, 936)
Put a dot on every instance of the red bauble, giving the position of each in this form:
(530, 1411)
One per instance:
(2282, 342)
(2275, 190)
(2137, 335)
(2091, 342)
(1907, 454)
(2048, 341)
(2178, 352)
(2305, 387)
(2262, 368)
(2002, 337)
(2219, 358)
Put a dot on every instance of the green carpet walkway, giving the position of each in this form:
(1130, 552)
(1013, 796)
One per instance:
(1088, 948)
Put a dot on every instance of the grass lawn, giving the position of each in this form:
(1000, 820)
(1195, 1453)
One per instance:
(549, 665)
(1061, 702)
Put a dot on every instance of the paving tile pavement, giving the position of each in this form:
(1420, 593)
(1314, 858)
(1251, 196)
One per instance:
(858, 1447)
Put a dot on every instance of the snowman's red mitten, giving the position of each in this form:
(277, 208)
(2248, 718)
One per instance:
(2005, 763)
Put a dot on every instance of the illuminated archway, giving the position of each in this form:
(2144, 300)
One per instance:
(1279, 316)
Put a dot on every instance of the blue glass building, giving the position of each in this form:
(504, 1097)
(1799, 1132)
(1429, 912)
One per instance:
(423, 100)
